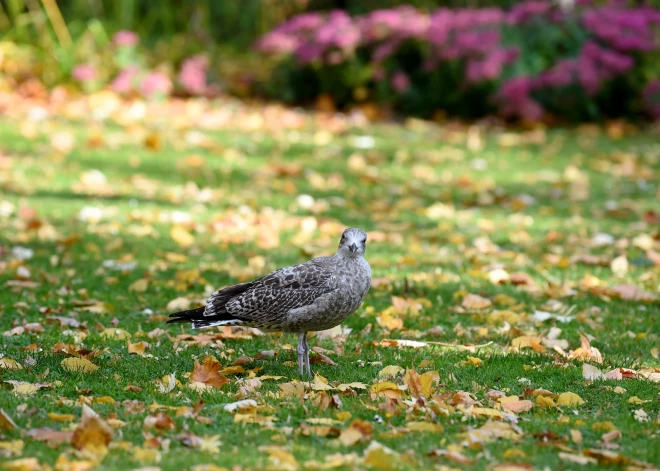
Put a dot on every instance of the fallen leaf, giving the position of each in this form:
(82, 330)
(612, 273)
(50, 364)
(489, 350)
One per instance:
(9, 364)
(61, 417)
(79, 365)
(390, 371)
(619, 266)
(26, 389)
(246, 404)
(381, 457)
(484, 412)
(93, 435)
(577, 459)
(636, 400)
(569, 399)
(138, 348)
(475, 302)
(23, 464)
(641, 416)
(426, 427)
(139, 286)
(11, 448)
(320, 383)
(166, 384)
(50, 435)
(280, 458)
(591, 372)
(182, 237)
(357, 431)
(518, 406)
(208, 373)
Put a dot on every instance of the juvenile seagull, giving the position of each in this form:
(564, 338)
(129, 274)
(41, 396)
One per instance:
(315, 295)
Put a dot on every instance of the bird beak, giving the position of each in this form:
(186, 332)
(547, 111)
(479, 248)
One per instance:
(353, 248)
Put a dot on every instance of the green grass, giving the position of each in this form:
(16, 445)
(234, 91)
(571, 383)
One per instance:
(385, 190)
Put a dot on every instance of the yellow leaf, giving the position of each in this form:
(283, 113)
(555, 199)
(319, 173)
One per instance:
(637, 400)
(477, 362)
(12, 448)
(528, 342)
(429, 427)
(569, 399)
(576, 436)
(343, 415)
(389, 322)
(22, 464)
(380, 457)
(354, 385)
(139, 286)
(426, 380)
(280, 458)
(137, 348)
(383, 386)
(485, 412)
(78, 365)
(390, 371)
(24, 389)
(606, 426)
(9, 364)
(320, 383)
(293, 389)
(104, 400)
(115, 334)
(182, 237)
(61, 417)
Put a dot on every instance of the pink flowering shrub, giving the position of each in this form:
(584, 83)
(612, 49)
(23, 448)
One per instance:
(123, 66)
(532, 60)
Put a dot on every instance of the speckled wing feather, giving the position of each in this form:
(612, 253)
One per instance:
(269, 299)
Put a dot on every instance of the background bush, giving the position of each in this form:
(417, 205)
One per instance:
(598, 60)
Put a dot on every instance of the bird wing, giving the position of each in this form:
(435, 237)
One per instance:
(272, 296)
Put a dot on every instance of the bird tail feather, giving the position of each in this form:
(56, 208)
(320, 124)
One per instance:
(198, 320)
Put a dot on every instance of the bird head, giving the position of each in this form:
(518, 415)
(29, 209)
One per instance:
(353, 243)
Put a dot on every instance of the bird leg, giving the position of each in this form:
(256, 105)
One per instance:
(307, 368)
(301, 351)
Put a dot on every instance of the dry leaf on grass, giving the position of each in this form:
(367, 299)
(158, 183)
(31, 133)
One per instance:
(569, 399)
(80, 365)
(93, 436)
(208, 373)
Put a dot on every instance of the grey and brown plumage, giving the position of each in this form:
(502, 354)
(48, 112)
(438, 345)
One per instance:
(312, 296)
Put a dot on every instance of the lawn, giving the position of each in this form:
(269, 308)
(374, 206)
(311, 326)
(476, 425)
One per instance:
(510, 267)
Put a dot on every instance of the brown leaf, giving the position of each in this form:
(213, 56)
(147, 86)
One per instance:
(208, 373)
(93, 435)
(322, 359)
(50, 435)
(586, 352)
(412, 380)
(475, 302)
(161, 422)
(357, 431)
(518, 406)
(137, 348)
